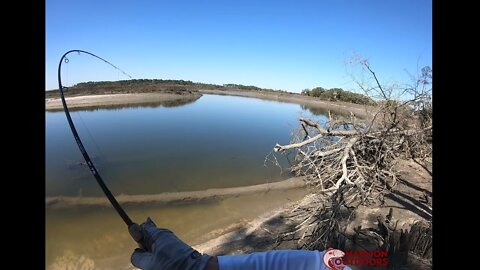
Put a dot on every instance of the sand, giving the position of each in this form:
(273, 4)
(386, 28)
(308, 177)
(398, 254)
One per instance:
(174, 197)
(115, 99)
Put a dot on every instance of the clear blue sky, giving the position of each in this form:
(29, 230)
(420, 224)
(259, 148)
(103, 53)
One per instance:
(289, 45)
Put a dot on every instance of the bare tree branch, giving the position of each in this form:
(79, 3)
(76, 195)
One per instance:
(350, 162)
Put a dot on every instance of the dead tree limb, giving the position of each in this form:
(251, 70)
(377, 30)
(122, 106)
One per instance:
(350, 161)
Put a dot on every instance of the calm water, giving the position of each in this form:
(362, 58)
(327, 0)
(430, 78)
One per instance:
(214, 142)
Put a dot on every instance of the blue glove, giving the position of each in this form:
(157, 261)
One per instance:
(166, 251)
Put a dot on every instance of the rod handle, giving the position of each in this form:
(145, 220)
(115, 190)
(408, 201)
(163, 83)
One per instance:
(137, 234)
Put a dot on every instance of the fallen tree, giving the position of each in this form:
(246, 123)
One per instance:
(350, 162)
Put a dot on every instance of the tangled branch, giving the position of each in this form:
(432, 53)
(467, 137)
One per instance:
(350, 162)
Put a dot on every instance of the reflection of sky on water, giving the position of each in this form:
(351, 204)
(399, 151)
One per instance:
(216, 141)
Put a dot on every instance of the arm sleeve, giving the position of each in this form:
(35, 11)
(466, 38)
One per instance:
(275, 260)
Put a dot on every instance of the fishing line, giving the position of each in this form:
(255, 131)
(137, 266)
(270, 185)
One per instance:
(133, 228)
(77, 113)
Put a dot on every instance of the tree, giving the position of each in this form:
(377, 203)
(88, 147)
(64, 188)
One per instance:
(306, 92)
(350, 161)
(317, 91)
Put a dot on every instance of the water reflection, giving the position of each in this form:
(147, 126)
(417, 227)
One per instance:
(165, 103)
(215, 142)
(319, 111)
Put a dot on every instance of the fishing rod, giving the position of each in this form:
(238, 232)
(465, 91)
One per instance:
(133, 228)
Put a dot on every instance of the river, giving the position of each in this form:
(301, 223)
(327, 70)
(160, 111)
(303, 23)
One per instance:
(213, 142)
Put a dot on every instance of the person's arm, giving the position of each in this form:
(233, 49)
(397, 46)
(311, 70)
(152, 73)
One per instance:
(274, 260)
(167, 252)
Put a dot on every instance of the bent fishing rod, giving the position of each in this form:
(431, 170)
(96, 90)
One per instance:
(133, 228)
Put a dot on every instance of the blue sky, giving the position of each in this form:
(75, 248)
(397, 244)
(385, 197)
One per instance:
(289, 45)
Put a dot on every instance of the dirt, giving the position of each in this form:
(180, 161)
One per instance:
(410, 200)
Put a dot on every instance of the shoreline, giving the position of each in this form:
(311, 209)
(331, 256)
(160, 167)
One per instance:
(57, 202)
(112, 100)
(357, 109)
(229, 237)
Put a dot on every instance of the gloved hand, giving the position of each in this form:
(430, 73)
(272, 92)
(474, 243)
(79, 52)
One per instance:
(166, 251)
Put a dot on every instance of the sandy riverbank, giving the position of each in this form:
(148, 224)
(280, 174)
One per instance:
(359, 110)
(108, 100)
(175, 197)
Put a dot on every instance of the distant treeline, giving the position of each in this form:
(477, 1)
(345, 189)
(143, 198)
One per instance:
(338, 94)
(147, 86)
(146, 82)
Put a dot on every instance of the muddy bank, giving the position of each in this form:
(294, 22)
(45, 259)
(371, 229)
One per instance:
(358, 110)
(175, 197)
(115, 100)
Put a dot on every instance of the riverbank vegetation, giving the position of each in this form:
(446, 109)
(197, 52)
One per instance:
(147, 86)
(338, 94)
